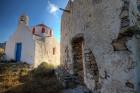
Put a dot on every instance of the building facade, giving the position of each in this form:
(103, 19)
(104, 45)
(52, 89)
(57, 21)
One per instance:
(33, 45)
(100, 45)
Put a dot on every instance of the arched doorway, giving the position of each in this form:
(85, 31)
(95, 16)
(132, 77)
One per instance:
(77, 51)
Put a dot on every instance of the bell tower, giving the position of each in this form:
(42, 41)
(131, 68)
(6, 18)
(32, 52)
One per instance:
(23, 19)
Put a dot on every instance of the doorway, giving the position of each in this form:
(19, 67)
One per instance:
(18, 51)
(77, 51)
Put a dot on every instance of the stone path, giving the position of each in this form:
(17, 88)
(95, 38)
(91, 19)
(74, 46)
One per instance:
(78, 89)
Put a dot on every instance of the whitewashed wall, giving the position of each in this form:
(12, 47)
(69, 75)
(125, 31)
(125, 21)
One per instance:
(23, 35)
(34, 49)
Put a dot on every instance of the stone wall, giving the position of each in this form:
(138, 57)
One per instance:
(108, 62)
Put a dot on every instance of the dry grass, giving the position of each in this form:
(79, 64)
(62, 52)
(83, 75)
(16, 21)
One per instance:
(39, 80)
(10, 75)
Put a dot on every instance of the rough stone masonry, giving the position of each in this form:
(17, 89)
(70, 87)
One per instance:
(100, 44)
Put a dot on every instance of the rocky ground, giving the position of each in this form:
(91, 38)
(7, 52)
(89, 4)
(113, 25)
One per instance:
(78, 89)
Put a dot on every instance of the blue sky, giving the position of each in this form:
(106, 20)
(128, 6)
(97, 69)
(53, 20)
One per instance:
(39, 11)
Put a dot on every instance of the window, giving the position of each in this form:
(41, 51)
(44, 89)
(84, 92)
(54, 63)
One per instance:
(54, 50)
(33, 31)
(43, 30)
(50, 32)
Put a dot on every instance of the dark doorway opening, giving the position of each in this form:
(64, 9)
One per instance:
(77, 50)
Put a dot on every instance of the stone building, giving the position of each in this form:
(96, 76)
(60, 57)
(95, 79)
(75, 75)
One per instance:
(33, 45)
(100, 44)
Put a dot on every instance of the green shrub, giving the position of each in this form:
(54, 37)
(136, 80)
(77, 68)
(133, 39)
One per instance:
(46, 66)
(44, 69)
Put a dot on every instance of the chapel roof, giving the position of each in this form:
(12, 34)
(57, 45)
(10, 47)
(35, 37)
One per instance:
(43, 25)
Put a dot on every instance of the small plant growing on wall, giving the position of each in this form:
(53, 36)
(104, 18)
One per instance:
(133, 29)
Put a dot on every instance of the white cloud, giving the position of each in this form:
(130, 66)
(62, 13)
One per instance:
(52, 8)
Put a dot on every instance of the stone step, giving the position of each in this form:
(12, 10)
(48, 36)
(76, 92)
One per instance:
(78, 89)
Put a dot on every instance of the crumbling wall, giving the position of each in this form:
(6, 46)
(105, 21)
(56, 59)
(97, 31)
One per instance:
(134, 46)
(107, 59)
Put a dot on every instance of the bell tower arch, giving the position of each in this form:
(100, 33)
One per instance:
(23, 19)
